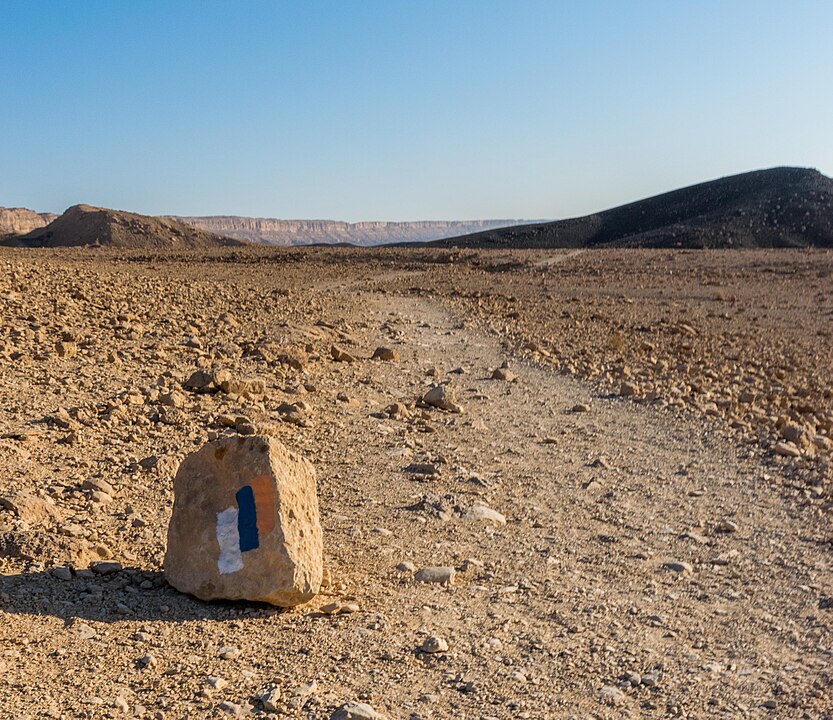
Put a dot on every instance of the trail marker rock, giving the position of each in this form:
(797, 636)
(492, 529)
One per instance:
(245, 524)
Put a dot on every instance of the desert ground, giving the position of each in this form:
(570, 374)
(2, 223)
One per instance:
(656, 446)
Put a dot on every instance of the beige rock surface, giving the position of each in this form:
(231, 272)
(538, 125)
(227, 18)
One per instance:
(245, 524)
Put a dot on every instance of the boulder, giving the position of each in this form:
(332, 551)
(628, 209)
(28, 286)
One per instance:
(245, 524)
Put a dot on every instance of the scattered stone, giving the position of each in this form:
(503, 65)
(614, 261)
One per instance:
(483, 513)
(356, 711)
(787, 449)
(242, 386)
(173, 399)
(101, 498)
(610, 695)
(106, 567)
(388, 354)
(442, 397)
(441, 575)
(423, 468)
(31, 508)
(66, 349)
(627, 389)
(580, 408)
(84, 631)
(228, 652)
(147, 660)
(679, 567)
(99, 485)
(245, 524)
(726, 526)
(62, 573)
(232, 708)
(340, 355)
(216, 683)
(397, 411)
(295, 414)
(503, 374)
(406, 566)
(201, 381)
(305, 690)
(794, 433)
(434, 644)
(271, 699)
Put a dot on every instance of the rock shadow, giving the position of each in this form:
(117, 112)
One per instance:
(131, 594)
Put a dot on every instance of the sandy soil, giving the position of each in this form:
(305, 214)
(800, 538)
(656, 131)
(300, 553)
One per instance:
(658, 559)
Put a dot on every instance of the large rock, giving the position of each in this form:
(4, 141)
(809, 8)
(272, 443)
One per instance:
(245, 524)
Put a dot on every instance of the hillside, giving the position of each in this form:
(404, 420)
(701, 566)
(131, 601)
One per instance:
(272, 231)
(779, 207)
(18, 221)
(83, 225)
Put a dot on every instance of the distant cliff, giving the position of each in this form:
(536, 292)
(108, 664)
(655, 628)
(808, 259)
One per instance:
(17, 221)
(272, 231)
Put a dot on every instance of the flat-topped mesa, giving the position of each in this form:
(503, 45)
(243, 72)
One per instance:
(245, 524)
(273, 231)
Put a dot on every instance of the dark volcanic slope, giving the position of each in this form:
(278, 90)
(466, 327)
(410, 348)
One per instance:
(83, 225)
(780, 207)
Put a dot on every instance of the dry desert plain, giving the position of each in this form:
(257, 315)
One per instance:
(656, 448)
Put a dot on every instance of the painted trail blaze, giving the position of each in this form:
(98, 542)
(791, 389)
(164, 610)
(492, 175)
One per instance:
(240, 529)
(247, 519)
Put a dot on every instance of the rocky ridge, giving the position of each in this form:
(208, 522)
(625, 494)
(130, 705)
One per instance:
(84, 225)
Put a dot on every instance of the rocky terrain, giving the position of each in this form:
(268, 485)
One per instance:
(19, 221)
(272, 231)
(551, 484)
(780, 207)
(84, 225)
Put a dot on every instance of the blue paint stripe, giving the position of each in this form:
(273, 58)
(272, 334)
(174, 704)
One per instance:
(247, 519)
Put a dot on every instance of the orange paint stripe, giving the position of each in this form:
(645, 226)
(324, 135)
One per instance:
(264, 503)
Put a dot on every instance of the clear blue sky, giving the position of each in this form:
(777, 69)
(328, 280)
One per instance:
(403, 109)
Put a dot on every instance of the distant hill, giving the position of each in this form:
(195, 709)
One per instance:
(84, 225)
(272, 231)
(779, 207)
(18, 221)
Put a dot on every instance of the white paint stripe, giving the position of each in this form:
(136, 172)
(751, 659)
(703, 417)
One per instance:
(231, 559)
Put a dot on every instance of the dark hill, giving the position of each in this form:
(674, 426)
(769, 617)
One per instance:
(83, 225)
(780, 207)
